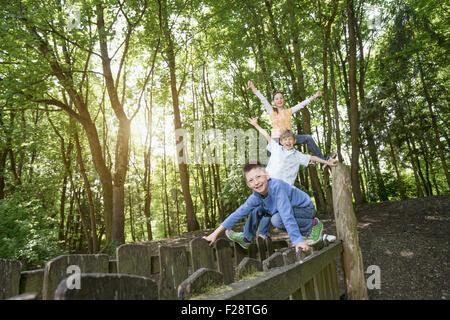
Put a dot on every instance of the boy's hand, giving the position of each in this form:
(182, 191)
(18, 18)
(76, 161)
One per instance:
(253, 121)
(318, 94)
(252, 86)
(332, 162)
(211, 238)
(301, 245)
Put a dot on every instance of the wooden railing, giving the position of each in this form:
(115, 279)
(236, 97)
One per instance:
(314, 278)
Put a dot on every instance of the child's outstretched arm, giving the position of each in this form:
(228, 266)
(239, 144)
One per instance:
(254, 122)
(306, 102)
(261, 97)
(331, 162)
(213, 236)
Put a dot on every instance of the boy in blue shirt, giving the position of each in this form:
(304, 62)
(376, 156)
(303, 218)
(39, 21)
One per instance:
(289, 208)
(284, 163)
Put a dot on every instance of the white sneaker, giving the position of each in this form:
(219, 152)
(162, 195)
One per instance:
(328, 237)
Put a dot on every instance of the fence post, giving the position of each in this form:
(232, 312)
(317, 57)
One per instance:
(346, 226)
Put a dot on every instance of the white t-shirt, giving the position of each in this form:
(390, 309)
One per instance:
(284, 164)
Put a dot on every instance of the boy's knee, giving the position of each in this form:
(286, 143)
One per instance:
(260, 212)
(276, 221)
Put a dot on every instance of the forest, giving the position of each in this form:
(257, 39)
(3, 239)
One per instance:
(94, 94)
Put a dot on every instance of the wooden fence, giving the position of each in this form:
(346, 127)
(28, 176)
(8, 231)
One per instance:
(313, 278)
(157, 271)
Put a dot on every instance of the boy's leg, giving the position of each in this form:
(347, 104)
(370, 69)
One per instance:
(264, 226)
(303, 216)
(253, 222)
(312, 146)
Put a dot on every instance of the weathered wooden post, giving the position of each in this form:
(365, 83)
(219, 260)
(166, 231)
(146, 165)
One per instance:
(344, 214)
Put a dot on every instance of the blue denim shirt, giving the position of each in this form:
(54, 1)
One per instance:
(281, 198)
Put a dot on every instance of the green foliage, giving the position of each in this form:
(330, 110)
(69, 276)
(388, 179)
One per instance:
(219, 45)
(235, 190)
(27, 231)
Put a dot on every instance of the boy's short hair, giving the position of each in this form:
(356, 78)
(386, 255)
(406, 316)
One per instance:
(287, 133)
(250, 166)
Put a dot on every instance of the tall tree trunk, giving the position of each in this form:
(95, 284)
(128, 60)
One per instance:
(3, 156)
(326, 99)
(335, 107)
(83, 117)
(381, 189)
(130, 205)
(62, 204)
(123, 134)
(354, 113)
(436, 136)
(87, 186)
(216, 172)
(393, 152)
(192, 223)
(147, 170)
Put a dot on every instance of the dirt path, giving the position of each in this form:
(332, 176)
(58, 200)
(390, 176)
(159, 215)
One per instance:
(409, 241)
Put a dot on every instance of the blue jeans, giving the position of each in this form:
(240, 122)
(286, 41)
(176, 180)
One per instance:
(312, 146)
(259, 217)
(309, 141)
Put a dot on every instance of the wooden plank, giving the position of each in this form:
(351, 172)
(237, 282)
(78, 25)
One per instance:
(327, 273)
(201, 280)
(202, 255)
(109, 286)
(252, 251)
(274, 261)
(262, 250)
(9, 278)
(289, 256)
(280, 283)
(310, 293)
(56, 269)
(316, 283)
(324, 285)
(297, 295)
(173, 265)
(224, 260)
(248, 266)
(239, 253)
(134, 258)
(334, 281)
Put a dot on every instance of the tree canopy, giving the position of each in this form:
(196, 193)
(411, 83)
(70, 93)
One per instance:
(115, 115)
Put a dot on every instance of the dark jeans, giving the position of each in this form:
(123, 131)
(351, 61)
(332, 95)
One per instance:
(309, 141)
(261, 218)
(312, 146)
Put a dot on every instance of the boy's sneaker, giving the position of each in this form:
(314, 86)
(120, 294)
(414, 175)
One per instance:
(333, 156)
(237, 237)
(328, 237)
(263, 236)
(316, 233)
